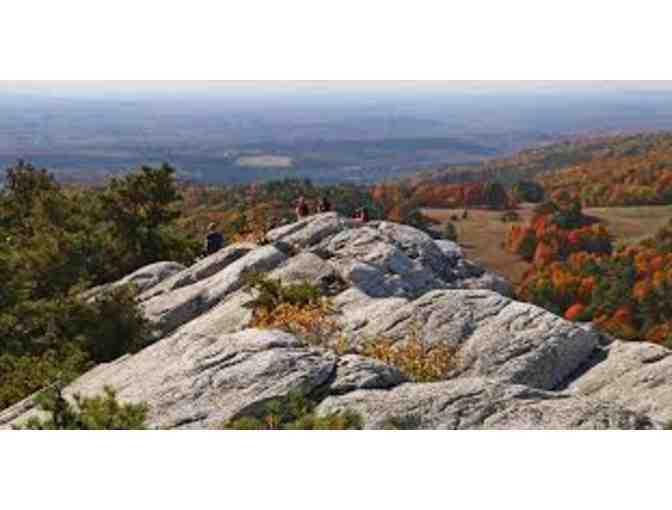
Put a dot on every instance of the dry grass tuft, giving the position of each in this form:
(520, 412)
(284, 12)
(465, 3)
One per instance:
(416, 360)
(300, 309)
(312, 322)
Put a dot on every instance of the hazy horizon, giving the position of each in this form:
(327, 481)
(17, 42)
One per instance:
(98, 89)
(332, 131)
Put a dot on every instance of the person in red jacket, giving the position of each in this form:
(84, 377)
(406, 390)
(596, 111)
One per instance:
(301, 208)
(361, 214)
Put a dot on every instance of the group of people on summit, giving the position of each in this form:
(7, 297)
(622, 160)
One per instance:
(323, 205)
(302, 209)
(214, 240)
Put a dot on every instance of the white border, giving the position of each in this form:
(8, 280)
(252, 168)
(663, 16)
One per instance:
(345, 39)
(290, 40)
(386, 469)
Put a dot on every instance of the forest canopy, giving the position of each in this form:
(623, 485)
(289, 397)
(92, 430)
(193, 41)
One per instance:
(58, 241)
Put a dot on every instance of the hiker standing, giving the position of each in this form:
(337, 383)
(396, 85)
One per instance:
(301, 208)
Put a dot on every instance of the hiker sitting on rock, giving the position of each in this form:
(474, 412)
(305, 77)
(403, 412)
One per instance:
(214, 240)
(323, 205)
(301, 208)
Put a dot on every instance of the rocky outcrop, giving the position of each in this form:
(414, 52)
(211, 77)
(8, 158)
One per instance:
(201, 270)
(310, 231)
(170, 310)
(203, 381)
(355, 372)
(476, 403)
(143, 279)
(498, 337)
(633, 374)
(518, 366)
(470, 275)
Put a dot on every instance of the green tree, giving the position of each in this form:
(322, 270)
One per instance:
(55, 241)
(495, 195)
(450, 231)
(142, 207)
(296, 412)
(528, 191)
(102, 412)
(25, 186)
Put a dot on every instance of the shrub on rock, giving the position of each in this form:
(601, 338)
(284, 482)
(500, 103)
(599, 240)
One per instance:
(102, 412)
(296, 413)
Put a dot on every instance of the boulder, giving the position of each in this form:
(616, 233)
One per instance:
(233, 313)
(450, 249)
(478, 403)
(384, 260)
(229, 316)
(488, 281)
(360, 316)
(308, 267)
(528, 345)
(355, 372)
(497, 337)
(636, 375)
(201, 270)
(310, 231)
(170, 310)
(143, 279)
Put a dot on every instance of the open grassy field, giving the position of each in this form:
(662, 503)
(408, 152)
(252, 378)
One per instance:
(632, 224)
(481, 235)
(265, 161)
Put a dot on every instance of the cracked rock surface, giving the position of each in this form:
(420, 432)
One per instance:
(473, 403)
(519, 366)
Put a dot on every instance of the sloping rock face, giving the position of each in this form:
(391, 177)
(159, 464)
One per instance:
(203, 269)
(635, 375)
(498, 337)
(518, 366)
(170, 310)
(144, 279)
(202, 382)
(473, 403)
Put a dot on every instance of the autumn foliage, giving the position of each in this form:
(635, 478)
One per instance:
(557, 229)
(302, 310)
(640, 175)
(470, 194)
(414, 358)
(627, 292)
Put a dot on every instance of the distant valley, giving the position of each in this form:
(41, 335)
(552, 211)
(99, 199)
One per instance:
(329, 139)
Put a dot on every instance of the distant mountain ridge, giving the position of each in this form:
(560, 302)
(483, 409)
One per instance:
(529, 164)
